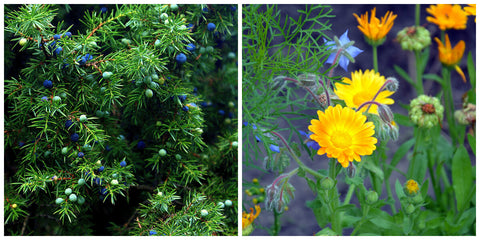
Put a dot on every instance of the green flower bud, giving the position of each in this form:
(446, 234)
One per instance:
(410, 209)
(372, 197)
(418, 199)
(414, 38)
(426, 111)
(68, 191)
(228, 203)
(327, 183)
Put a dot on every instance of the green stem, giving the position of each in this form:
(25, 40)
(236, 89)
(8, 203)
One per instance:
(276, 223)
(363, 220)
(449, 108)
(375, 60)
(419, 80)
(417, 15)
(304, 167)
(334, 199)
(351, 189)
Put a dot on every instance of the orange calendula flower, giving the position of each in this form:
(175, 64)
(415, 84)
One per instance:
(451, 56)
(471, 10)
(361, 88)
(247, 220)
(376, 29)
(343, 134)
(447, 16)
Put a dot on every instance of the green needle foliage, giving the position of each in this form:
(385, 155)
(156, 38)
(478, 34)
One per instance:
(279, 47)
(122, 123)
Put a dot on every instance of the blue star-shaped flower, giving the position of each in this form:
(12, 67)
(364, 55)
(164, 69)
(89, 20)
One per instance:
(348, 53)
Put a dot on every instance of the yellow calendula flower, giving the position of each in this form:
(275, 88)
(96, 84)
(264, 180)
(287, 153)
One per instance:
(247, 220)
(471, 10)
(449, 56)
(361, 88)
(343, 134)
(411, 187)
(376, 29)
(447, 16)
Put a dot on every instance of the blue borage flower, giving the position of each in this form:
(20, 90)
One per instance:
(347, 51)
(310, 143)
(274, 148)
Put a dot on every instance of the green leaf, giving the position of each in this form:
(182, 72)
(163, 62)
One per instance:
(399, 154)
(370, 166)
(472, 141)
(462, 177)
(407, 225)
(418, 167)
(326, 232)
(311, 184)
(404, 75)
(399, 190)
(402, 120)
(434, 77)
(471, 70)
(381, 219)
(320, 211)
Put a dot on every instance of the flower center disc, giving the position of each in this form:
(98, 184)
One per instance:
(362, 97)
(341, 140)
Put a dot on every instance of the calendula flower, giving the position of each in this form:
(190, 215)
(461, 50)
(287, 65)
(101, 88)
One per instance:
(471, 10)
(343, 134)
(449, 56)
(344, 51)
(375, 30)
(363, 87)
(411, 187)
(447, 16)
(247, 220)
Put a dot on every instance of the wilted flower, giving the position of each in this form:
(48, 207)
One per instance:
(426, 111)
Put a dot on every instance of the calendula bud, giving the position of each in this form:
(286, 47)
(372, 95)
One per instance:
(418, 199)
(327, 183)
(372, 197)
(411, 188)
(410, 209)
